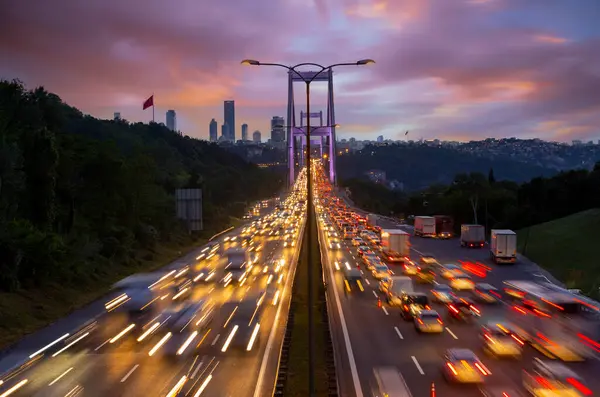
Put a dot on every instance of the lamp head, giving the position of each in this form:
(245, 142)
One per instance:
(250, 62)
(365, 62)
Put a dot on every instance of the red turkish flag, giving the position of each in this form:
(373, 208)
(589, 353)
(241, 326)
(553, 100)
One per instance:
(148, 102)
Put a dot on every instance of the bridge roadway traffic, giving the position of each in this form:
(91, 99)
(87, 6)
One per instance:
(366, 336)
(96, 367)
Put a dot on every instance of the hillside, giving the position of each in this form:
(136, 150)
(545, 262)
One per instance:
(567, 247)
(419, 166)
(85, 201)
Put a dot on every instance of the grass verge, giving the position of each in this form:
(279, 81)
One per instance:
(298, 365)
(567, 248)
(26, 311)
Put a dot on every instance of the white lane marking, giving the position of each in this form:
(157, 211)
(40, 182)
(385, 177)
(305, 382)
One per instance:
(368, 282)
(214, 342)
(59, 377)
(99, 347)
(355, 380)
(398, 332)
(271, 340)
(451, 333)
(197, 369)
(435, 282)
(385, 311)
(375, 293)
(129, 373)
(416, 250)
(417, 365)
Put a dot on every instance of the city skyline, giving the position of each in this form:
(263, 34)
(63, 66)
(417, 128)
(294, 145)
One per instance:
(458, 70)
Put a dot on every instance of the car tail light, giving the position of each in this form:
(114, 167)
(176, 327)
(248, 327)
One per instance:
(575, 383)
(420, 321)
(440, 321)
(406, 307)
(455, 310)
(427, 307)
(519, 341)
(452, 368)
(489, 338)
(476, 310)
(482, 369)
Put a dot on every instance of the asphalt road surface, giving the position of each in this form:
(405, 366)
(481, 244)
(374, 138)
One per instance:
(367, 336)
(108, 359)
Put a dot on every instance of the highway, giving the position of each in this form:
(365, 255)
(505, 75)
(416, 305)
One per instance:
(115, 354)
(367, 336)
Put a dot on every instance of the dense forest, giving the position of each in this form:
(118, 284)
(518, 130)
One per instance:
(84, 200)
(419, 166)
(479, 198)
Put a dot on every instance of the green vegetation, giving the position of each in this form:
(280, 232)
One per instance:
(374, 197)
(567, 248)
(298, 368)
(418, 166)
(84, 202)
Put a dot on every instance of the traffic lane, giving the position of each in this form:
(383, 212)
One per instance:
(380, 337)
(19, 352)
(450, 251)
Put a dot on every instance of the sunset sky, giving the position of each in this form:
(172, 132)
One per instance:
(447, 69)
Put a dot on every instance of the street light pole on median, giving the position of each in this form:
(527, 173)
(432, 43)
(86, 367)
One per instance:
(309, 197)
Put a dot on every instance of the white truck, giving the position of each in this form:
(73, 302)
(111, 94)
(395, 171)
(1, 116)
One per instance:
(472, 236)
(372, 220)
(425, 226)
(503, 246)
(237, 264)
(395, 286)
(395, 245)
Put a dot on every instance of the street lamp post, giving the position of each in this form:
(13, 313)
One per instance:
(309, 199)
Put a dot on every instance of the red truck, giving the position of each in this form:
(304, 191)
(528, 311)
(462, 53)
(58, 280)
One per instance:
(444, 226)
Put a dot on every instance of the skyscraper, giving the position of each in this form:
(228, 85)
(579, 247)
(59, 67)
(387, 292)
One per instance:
(244, 132)
(277, 129)
(212, 130)
(171, 120)
(256, 137)
(229, 117)
(225, 132)
(117, 116)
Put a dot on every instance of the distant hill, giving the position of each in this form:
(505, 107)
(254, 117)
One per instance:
(567, 248)
(419, 166)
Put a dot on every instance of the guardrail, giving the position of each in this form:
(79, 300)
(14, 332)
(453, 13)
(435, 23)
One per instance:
(220, 233)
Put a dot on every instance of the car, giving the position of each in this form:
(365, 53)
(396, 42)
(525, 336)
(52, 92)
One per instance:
(463, 366)
(449, 271)
(242, 328)
(499, 340)
(425, 277)
(413, 303)
(429, 321)
(442, 293)
(462, 309)
(410, 268)
(363, 249)
(380, 271)
(551, 378)
(427, 260)
(335, 244)
(373, 262)
(462, 282)
(500, 391)
(288, 242)
(353, 279)
(357, 241)
(486, 293)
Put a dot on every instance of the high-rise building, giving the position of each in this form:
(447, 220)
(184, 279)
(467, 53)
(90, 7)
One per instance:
(171, 120)
(229, 118)
(225, 132)
(244, 132)
(277, 129)
(380, 138)
(256, 137)
(213, 130)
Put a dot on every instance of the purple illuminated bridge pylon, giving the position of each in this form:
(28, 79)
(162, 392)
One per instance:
(322, 135)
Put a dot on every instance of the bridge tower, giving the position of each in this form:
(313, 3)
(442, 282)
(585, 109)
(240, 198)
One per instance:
(323, 135)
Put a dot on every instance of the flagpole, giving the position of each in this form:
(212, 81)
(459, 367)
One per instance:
(153, 107)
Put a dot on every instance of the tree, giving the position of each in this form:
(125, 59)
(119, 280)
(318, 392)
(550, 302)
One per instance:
(491, 177)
